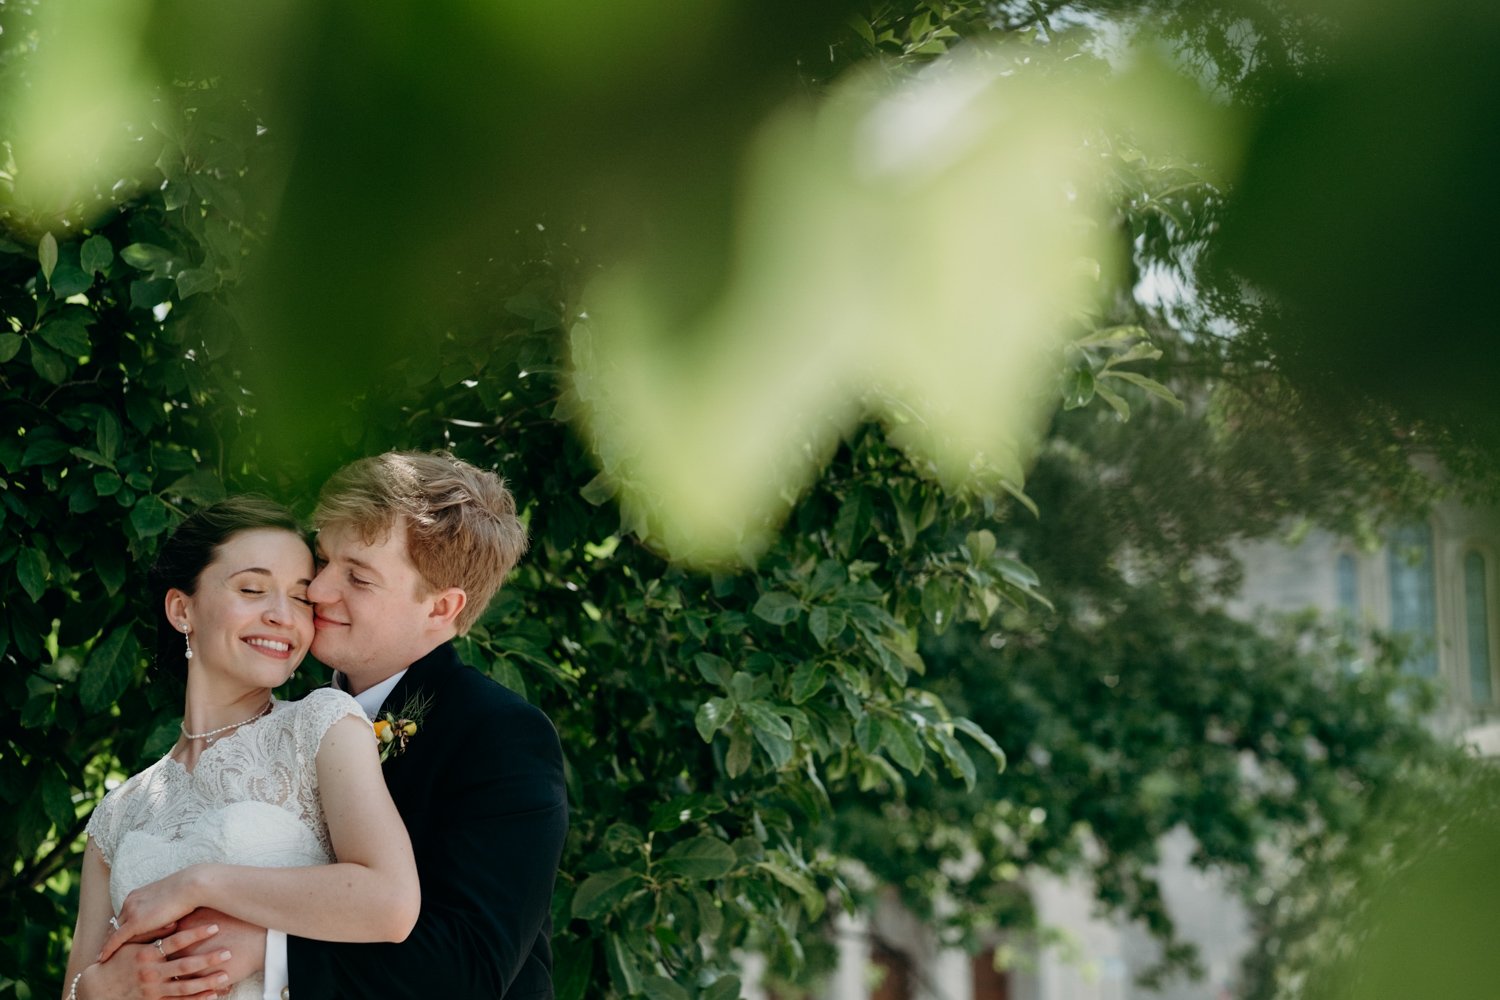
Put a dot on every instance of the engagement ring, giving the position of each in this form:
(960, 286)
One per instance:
(114, 922)
(161, 949)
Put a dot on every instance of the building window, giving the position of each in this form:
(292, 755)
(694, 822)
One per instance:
(1477, 628)
(990, 983)
(1348, 582)
(892, 973)
(1413, 596)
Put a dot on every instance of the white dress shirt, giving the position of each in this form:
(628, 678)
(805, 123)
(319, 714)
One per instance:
(277, 975)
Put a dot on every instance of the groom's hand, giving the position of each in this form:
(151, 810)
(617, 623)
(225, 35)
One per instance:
(246, 942)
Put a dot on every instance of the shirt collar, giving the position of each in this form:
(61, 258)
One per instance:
(372, 698)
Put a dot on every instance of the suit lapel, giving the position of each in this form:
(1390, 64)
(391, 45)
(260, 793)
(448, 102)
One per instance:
(423, 681)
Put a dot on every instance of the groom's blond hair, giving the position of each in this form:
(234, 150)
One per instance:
(461, 524)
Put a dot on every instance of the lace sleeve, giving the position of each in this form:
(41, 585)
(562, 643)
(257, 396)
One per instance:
(104, 827)
(317, 713)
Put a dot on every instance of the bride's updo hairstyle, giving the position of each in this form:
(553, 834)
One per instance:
(462, 529)
(190, 549)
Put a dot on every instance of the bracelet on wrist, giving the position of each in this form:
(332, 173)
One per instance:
(73, 990)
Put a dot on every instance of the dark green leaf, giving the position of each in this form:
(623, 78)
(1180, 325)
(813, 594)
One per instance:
(96, 254)
(91, 457)
(794, 880)
(699, 858)
(69, 279)
(48, 363)
(1017, 573)
(147, 257)
(31, 572)
(40, 709)
(222, 195)
(624, 972)
(662, 988)
(107, 435)
(723, 988)
(10, 346)
(149, 518)
(108, 670)
(829, 575)
(905, 746)
(983, 739)
(175, 194)
(202, 488)
(573, 967)
(148, 294)
(195, 280)
(683, 809)
(109, 563)
(44, 450)
(807, 680)
(960, 764)
(737, 759)
(852, 525)
(57, 799)
(46, 253)
(826, 624)
(603, 891)
(68, 336)
(1078, 388)
(777, 607)
(1115, 400)
(1152, 386)
(776, 746)
(714, 669)
(761, 716)
(712, 716)
(981, 544)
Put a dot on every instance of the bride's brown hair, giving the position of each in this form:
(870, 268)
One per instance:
(195, 543)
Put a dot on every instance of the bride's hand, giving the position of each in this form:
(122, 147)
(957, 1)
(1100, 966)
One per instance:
(144, 972)
(153, 910)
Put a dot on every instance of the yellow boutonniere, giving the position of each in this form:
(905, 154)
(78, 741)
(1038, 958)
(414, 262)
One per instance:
(394, 730)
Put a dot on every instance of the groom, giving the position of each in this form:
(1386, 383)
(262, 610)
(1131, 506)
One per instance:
(411, 547)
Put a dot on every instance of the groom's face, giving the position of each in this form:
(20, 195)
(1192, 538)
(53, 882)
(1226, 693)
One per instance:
(371, 617)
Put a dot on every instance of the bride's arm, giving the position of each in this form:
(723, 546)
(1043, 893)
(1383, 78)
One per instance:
(370, 893)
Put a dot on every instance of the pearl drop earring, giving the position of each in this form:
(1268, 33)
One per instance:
(187, 641)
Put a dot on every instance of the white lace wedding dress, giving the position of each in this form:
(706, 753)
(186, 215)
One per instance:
(252, 799)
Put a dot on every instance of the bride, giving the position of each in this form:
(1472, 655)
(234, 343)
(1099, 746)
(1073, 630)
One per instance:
(272, 812)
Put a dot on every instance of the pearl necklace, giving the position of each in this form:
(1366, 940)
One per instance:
(208, 737)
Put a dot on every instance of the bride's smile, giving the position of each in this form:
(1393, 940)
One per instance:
(249, 620)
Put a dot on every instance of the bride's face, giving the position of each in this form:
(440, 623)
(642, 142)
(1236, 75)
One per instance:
(251, 620)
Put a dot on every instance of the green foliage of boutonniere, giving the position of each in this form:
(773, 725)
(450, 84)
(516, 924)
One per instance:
(394, 730)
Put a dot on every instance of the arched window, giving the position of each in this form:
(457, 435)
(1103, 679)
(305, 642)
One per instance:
(1477, 628)
(1414, 597)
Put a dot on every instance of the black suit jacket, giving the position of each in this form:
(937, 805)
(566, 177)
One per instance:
(480, 787)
